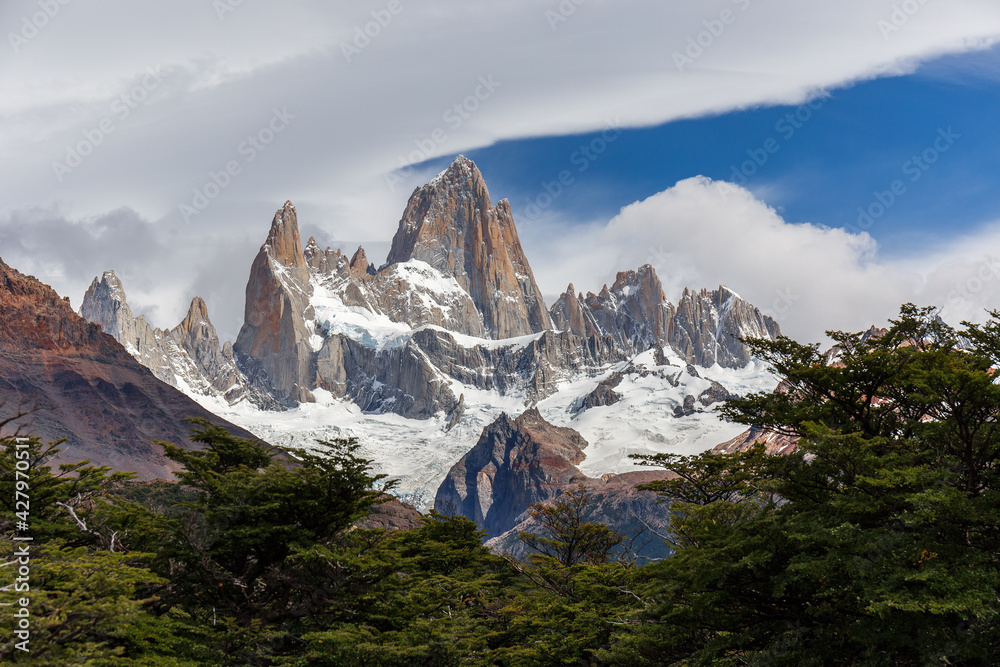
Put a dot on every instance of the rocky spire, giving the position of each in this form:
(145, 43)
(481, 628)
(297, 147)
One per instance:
(283, 239)
(709, 324)
(568, 314)
(277, 299)
(634, 309)
(451, 224)
(359, 263)
(197, 316)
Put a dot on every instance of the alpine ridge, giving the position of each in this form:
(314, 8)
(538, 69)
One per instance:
(188, 357)
(448, 333)
(451, 224)
(83, 385)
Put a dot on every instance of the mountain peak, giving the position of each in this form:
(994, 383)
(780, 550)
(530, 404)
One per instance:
(451, 224)
(283, 239)
(460, 168)
(110, 285)
(359, 263)
(196, 315)
(462, 175)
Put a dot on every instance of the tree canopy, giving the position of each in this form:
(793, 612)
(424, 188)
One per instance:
(875, 542)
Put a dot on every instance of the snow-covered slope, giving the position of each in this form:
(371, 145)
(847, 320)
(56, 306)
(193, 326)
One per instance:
(417, 356)
(419, 452)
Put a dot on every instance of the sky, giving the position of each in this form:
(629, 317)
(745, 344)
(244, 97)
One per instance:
(827, 161)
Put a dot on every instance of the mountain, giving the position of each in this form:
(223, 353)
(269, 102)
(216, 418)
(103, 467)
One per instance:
(516, 462)
(418, 355)
(614, 501)
(523, 461)
(451, 224)
(84, 386)
(705, 328)
(274, 339)
(188, 357)
(708, 325)
(456, 301)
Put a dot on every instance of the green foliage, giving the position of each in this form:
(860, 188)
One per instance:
(87, 605)
(50, 497)
(566, 537)
(874, 544)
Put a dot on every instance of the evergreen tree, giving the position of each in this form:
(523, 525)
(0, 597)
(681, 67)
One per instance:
(874, 544)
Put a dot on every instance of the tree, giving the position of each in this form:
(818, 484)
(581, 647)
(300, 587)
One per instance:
(875, 543)
(566, 536)
(253, 547)
(88, 601)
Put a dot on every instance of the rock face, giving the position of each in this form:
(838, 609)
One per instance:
(189, 356)
(634, 309)
(455, 303)
(774, 443)
(452, 225)
(704, 328)
(84, 385)
(516, 462)
(708, 325)
(569, 314)
(615, 502)
(523, 461)
(604, 394)
(274, 333)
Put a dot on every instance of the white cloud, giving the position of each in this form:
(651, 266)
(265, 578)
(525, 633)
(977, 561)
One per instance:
(610, 59)
(702, 233)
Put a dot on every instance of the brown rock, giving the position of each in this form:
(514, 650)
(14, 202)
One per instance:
(85, 386)
(360, 268)
(516, 462)
(774, 443)
(274, 332)
(568, 314)
(451, 224)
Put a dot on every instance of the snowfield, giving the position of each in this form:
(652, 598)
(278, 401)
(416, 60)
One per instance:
(419, 453)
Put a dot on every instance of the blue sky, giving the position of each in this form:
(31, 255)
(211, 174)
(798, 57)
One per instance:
(830, 158)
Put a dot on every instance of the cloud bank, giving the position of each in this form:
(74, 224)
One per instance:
(150, 106)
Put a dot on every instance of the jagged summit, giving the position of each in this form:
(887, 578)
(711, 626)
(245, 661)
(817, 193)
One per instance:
(283, 239)
(451, 224)
(188, 357)
(84, 387)
(360, 266)
(704, 328)
(197, 316)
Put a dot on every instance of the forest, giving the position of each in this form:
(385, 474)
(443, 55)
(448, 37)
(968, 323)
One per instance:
(874, 543)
